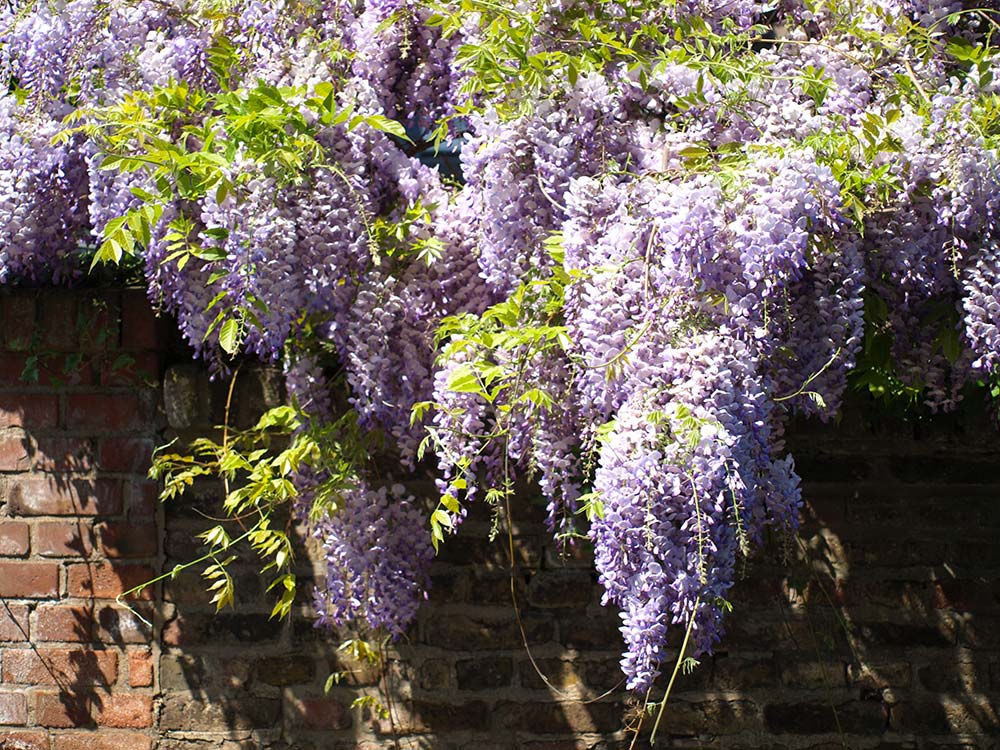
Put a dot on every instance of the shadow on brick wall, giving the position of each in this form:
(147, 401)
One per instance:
(876, 628)
(78, 402)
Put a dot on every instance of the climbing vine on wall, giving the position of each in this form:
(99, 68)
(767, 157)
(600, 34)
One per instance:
(678, 223)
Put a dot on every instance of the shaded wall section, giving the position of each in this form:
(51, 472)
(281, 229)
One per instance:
(878, 627)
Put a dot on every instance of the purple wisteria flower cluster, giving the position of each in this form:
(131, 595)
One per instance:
(658, 252)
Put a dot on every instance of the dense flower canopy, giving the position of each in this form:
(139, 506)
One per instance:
(678, 223)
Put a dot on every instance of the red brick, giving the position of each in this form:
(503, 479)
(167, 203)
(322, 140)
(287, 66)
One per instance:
(140, 668)
(12, 368)
(54, 371)
(125, 711)
(33, 411)
(56, 666)
(64, 538)
(143, 499)
(64, 496)
(62, 622)
(103, 412)
(119, 625)
(13, 709)
(320, 713)
(29, 580)
(64, 709)
(125, 455)
(106, 580)
(26, 740)
(141, 329)
(120, 539)
(138, 370)
(14, 538)
(59, 325)
(99, 319)
(19, 320)
(63, 454)
(102, 741)
(14, 625)
(14, 452)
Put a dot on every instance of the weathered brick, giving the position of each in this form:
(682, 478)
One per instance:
(466, 633)
(817, 718)
(597, 631)
(554, 718)
(63, 454)
(14, 624)
(24, 740)
(484, 674)
(320, 713)
(126, 455)
(50, 666)
(14, 539)
(29, 580)
(103, 580)
(486, 587)
(19, 320)
(133, 369)
(142, 500)
(64, 538)
(103, 740)
(931, 634)
(121, 539)
(981, 633)
(14, 454)
(186, 396)
(429, 716)
(876, 675)
(63, 709)
(969, 716)
(186, 630)
(13, 709)
(558, 589)
(120, 626)
(689, 717)
(101, 413)
(55, 495)
(357, 672)
(181, 711)
(33, 411)
(56, 371)
(140, 668)
(210, 674)
(124, 711)
(603, 674)
(66, 623)
(291, 669)
(733, 673)
(808, 674)
(562, 674)
(954, 676)
(141, 329)
(60, 328)
(435, 674)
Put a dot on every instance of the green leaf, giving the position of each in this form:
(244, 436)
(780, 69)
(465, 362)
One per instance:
(229, 336)
(463, 379)
(383, 123)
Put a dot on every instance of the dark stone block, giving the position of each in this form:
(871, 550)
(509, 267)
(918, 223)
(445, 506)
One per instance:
(184, 712)
(484, 674)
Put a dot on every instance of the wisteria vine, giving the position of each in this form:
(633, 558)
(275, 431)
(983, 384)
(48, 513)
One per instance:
(678, 223)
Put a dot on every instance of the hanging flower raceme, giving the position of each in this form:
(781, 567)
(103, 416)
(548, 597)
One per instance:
(378, 556)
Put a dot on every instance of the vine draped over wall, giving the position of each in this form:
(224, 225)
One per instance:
(678, 223)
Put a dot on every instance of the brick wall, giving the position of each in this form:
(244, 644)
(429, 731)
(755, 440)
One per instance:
(878, 628)
(78, 526)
